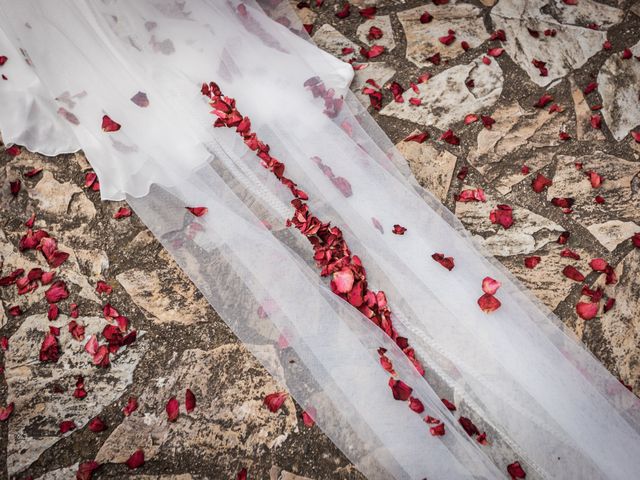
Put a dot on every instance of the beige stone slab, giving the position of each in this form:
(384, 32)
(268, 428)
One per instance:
(422, 38)
(446, 98)
(432, 169)
(618, 82)
(331, 40)
(622, 203)
(230, 420)
(34, 425)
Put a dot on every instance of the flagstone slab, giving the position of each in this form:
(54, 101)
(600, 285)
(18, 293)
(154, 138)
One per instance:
(572, 46)
(432, 169)
(383, 22)
(619, 217)
(32, 385)
(618, 82)
(518, 137)
(529, 231)
(331, 40)
(230, 420)
(422, 38)
(447, 99)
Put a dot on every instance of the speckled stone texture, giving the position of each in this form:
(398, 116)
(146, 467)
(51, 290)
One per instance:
(181, 341)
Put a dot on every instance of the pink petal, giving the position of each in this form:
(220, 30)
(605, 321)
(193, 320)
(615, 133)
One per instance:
(109, 125)
(173, 409)
(490, 286)
(274, 401)
(488, 303)
(587, 310)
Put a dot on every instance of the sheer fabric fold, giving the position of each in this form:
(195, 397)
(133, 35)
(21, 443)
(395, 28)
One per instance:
(542, 398)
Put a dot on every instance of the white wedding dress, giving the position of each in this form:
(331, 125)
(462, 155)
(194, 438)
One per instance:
(541, 397)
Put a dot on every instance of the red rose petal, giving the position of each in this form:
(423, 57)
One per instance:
(468, 426)
(416, 405)
(563, 238)
(636, 136)
(438, 430)
(490, 286)
(123, 212)
(56, 292)
(587, 310)
(540, 183)
(435, 59)
(596, 121)
(14, 187)
(488, 303)
(343, 280)
(636, 239)
(373, 52)
(502, 215)
(450, 406)
(470, 119)
(189, 401)
(486, 60)
(242, 474)
(543, 101)
(426, 17)
(598, 264)
(446, 262)
(274, 401)
(401, 391)
(173, 409)
(49, 350)
(109, 125)
(13, 150)
(590, 88)
(399, 229)
(476, 195)
(67, 426)
(572, 272)
(595, 179)
(368, 13)
(495, 52)
(375, 33)
(531, 262)
(86, 469)
(130, 407)
(448, 39)
(307, 418)
(345, 11)
(136, 460)
(487, 121)
(514, 469)
(198, 211)
(3, 60)
(5, 412)
(97, 425)
(567, 253)
(418, 137)
(450, 137)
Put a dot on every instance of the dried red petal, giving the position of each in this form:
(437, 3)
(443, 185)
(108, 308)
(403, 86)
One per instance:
(636, 136)
(97, 425)
(3, 60)
(375, 33)
(67, 426)
(540, 183)
(130, 407)
(465, 45)
(476, 195)
(189, 401)
(401, 391)
(56, 292)
(448, 39)
(49, 350)
(609, 304)
(242, 474)
(450, 137)
(567, 253)
(596, 121)
(587, 310)
(416, 405)
(435, 59)
(109, 125)
(543, 101)
(373, 52)
(136, 460)
(140, 99)
(487, 121)
(564, 136)
(490, 286)
(368, 12)
(502, 215)
(5, 412)
(173, 409)
(562, 202)
(531, 262)
(399, 229)
(342, 280)
(595, 179)
(198, 211)
(573, 273)
(470, 119)
(15, 311)
(607, 45)
(636, 239)
(307, 418)
(450, 406)
(598, 264)
(488, 303)
(446, 262)
(426, 17)
(468, 426)
(345, 11)
(438, 430)
(514, 469)
(13, 150)
(495, 52)
(486, 60)
(123, 212)
(274, 401)
(590, 88)
(563, 238)
(86, 469)
(418, 137)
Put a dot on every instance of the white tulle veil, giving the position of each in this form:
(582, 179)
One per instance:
(540, 396)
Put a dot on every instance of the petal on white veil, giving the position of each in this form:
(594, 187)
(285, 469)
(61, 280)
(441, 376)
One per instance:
(543, 397)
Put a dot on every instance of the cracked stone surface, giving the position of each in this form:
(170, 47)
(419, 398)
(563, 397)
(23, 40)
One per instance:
(618, 82)
(185, 344)
(619, 217)
(422, 39)
(573, 44)
(446, 98)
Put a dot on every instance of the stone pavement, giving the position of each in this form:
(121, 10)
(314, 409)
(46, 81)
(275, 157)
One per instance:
(484, 81)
